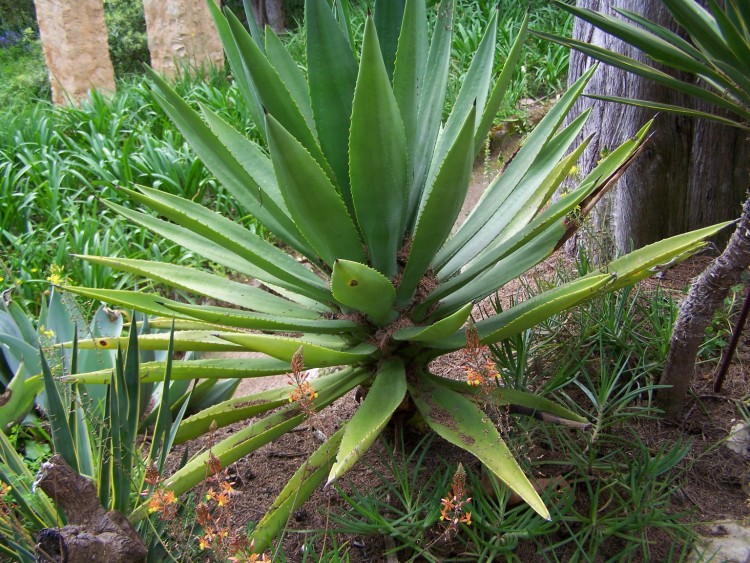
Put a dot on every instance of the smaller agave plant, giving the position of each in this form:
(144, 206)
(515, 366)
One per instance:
(361, 183)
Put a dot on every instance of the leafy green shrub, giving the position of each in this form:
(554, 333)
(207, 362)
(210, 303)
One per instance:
(126, 32)
(363, 182)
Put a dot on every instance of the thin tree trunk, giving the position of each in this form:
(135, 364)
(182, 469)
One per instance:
(706, 295)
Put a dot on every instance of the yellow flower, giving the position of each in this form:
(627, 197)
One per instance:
(573, 170)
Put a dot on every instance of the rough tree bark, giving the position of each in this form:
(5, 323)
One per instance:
(706, 295)
(92, 533)
(270, 13)
(74, 41)
(688, 177)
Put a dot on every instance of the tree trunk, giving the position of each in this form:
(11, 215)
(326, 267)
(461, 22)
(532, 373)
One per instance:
(706, 295)
(74, 41)
(270, 13)
(687, 176)
(92, 533)
(181, 33)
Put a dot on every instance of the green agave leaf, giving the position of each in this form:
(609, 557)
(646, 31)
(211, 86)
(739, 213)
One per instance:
(251, 157)
(408, 75)
(235, 238)
(440, 329)
(242, 408)
(297, 490)
(24, 352)
(733, 36)
(191, 240)
(431, 103)
(533, 405)
(531, 192)
(474, 235)
(274, 95)
(239, 72)
(21, 321)
(530, 312)
(459, 421)
(184, 341)
(659, 256)
(259, 321)
(202, 283)
(377, 161)
(383, 398)
(230, 173)
(364, 289)
(475, 87)
(501, 86)
(332, 73)
(247, 440)
(213, 368)
(290, 75)
(389, 15)
(313, 201)
(441, 203)
(316, 355)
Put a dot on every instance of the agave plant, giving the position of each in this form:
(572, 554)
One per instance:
(362, 183)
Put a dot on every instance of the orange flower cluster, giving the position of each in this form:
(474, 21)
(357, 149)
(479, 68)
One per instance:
(453, 513)
(303, 393)
(480, 370)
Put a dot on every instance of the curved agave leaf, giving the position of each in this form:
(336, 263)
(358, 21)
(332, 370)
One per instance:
(315, 205)
(245, 441)
(377, 159)
(184, 341)
(364, 289)
(212, 368)
(440, 329)
(459, 421)
(297, 490)
(383, 398)
(243, 408)
(316, 355)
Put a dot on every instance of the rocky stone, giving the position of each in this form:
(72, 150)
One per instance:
(726, 542)
(739, 439)
(181, 33)
(74, 40)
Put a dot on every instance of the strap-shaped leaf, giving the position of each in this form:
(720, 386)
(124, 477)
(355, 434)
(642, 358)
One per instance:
(57, 413)
(440, 329)
(236, 239)
(526, 198)
(459, 421)
(383, 398)
(184, 341)
(501, 86)
(408, 75)
(431, 103)
(182, 370)
(290, 74)
(529, 403)
(274, 94)
(646, 261)
(473, 235)
(220, 161)
(316, 355)
(242, 408)
(440, 206)
(203, 283)
(259, 321)
(247, 440)
(294, 494)
(364, 289)
(315, 205)
(240, 73)
(332, 73)
(389, 14)
(377, 159)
